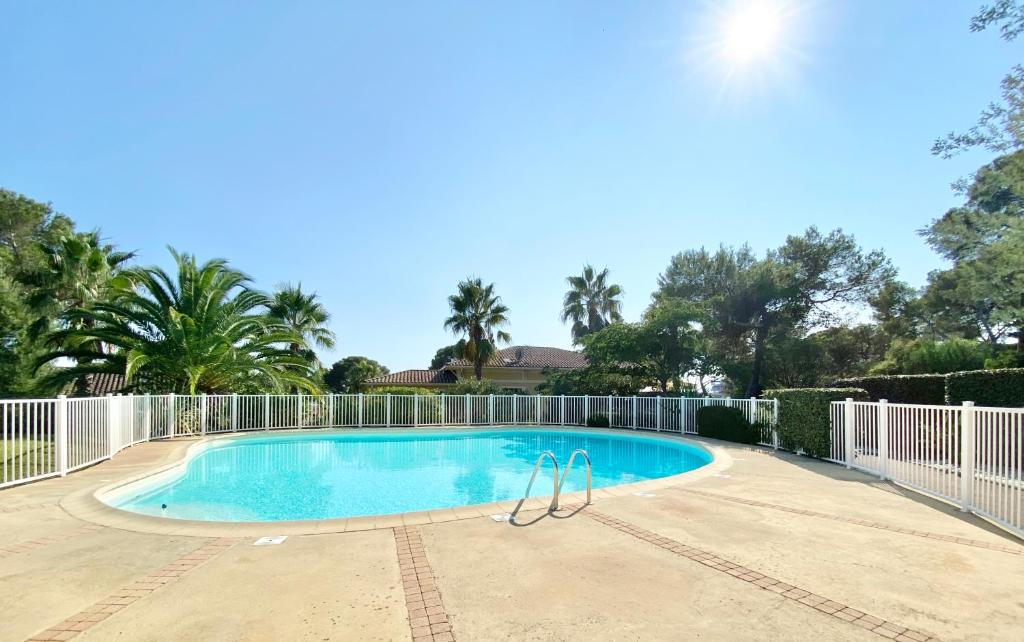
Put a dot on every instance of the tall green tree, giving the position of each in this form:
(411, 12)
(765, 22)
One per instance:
(983, 291)
(305, 315)
(479, 314)
(591, 302)
(443, 356)
(745, 299)
(350, 374)
(1000, 128)
(203, 329)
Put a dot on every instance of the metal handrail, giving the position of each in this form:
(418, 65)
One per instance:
(568, 467)
(555, 483)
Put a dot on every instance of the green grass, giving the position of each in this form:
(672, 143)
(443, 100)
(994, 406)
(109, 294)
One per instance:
(21, 458)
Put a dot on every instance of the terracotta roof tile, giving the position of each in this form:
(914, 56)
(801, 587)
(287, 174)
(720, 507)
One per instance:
(421, 377)
(531, 357)
(98, 385)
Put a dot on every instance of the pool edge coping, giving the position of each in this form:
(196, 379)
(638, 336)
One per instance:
(85, 504)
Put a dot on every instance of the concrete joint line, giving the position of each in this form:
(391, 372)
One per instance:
(838, 610)
(140, 588)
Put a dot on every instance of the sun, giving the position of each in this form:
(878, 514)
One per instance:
(751, 30)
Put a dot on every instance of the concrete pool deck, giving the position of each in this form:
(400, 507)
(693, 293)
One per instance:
(773, 547)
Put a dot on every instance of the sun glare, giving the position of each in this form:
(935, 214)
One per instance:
(751, 30)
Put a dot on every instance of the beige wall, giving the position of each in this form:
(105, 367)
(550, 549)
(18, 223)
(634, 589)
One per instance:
(525, 379)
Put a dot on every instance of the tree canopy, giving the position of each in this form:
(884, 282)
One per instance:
(350, 374)
(478, 313)
(591, 302)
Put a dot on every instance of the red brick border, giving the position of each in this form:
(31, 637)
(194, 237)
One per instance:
(824, 605)
(46, 540)
(140, 588)
(427, 618)
(1013, 550)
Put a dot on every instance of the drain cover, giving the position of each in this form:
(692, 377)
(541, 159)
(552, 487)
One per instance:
(267, 541)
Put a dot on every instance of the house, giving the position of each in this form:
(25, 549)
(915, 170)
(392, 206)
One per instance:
(519, 368)
(95, 385)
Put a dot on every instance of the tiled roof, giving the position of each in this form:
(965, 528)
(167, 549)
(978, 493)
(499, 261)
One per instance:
(421, 377)
(97, 385)
(531, 357)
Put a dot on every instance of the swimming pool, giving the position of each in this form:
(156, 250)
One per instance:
(337, 475)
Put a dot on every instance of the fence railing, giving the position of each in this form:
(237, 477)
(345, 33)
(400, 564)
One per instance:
(42, 438)
(969, 455)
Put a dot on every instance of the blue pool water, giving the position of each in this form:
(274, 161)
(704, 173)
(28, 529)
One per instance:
(320, 476)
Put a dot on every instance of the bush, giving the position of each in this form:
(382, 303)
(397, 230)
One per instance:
(730, 424)
(924, 389)
(804, 416)
(1001, 388)
(474, 387)
(599, 420)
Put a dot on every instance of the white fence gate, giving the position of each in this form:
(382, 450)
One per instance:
(42, 438)
(970, 455)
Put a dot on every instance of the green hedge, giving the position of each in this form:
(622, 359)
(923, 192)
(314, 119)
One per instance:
(804, 416)
(925, 388)
(1001, 388)
(730, 424)
(598, 420)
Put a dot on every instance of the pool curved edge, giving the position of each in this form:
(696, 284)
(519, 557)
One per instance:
(89, 505)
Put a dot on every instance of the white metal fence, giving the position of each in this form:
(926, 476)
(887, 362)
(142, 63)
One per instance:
(970, 455)
(42, 438)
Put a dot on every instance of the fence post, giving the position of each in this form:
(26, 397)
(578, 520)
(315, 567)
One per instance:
(330, 410)
(753, 410)
(234, 412)
(657, 414)
(610, 422)
(469, 410)
(775, 424)
(968, 438)
(387, 410)
(266, 411)
(170, 415)
(147, 417)
(561, 410)
(298, 418)
(360, 410)
(202, 413)
(131, 425)
(586, 409)
(634, 412)
(515, 409)
(883, 438)
(415, 411)
(112, 422)
(444, 409)
(490, 410)
(60, 452)
(849, 417)
(538, 410)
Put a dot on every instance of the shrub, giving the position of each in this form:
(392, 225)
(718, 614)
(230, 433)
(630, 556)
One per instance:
(723, 422)
(1004, 388)
(924, 389)
(804, 416)
(599, 420)
(474, 387)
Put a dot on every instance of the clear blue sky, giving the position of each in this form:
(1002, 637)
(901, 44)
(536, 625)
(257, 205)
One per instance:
(379, 154)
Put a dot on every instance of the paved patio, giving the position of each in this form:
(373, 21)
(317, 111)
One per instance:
(773, 547)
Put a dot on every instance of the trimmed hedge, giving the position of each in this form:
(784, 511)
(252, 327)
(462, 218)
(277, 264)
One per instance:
(730, 424)
(599, 420)
(1000, 388)
(924, 388)
(804, 416)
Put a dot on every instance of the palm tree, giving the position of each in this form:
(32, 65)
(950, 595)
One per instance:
(591, 303)
(203, 330)
(304, 315)
(478, 313)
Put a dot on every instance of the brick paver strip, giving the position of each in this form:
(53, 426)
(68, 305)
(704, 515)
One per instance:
(427, 618)
(27, 547)
(140, 588)
(798, 595)
(1003, 548)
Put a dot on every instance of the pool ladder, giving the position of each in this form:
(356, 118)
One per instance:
(556, 482)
